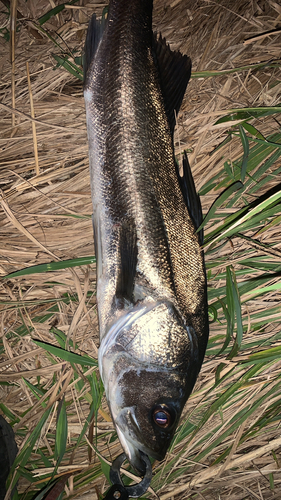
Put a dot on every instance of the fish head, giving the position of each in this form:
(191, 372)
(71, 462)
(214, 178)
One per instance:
(149, 363)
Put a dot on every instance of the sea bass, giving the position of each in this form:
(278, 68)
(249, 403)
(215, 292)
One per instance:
(151, 284)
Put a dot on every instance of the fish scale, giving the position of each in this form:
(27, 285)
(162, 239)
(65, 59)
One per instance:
(151, 284)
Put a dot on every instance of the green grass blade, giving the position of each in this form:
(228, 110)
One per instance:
(9, 414)
(245, 143)
(62, 339)
(25, 453)
(230, 327)
(61, 432)
(252, 130)
(225, 395)
(42, 493)
(36, 391)
(236, 226)
(230, 302)
(52, 266)
(86, 425)
(72, 68)
(208, 74)
(105, 468)
(246, 113)
(274, 222)
(47, 463)
(71, 357)
(238, 314)
(53, 12)
(273, 352)
(219, 201)
(266, 289)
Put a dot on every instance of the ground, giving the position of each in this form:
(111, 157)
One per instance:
(228, 445)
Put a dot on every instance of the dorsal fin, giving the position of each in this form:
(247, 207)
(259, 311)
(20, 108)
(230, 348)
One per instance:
(191, 197)
(94, 35)
(174, 71)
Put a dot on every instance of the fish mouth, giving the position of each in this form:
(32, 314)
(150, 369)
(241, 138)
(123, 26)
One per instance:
(133, 452)
(130, 437)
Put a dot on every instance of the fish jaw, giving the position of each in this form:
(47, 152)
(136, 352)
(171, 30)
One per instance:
(131, 450)
(149, 363)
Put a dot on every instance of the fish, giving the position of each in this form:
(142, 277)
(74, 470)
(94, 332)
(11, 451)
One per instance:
(151, 280)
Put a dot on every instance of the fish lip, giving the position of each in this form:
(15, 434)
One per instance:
(133, 453)
(133, 449)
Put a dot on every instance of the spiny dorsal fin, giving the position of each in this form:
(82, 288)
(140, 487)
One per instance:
(191, 197)
(174, 71)
(94, 35)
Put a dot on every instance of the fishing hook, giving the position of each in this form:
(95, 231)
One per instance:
(120, 492)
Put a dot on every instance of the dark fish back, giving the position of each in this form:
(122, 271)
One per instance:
(137, 84)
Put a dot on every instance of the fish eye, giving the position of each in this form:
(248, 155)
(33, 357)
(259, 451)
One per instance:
(162, 417)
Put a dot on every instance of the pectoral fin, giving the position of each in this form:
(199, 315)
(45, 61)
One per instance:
(128, 253)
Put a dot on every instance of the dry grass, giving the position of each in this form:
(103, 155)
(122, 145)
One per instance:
(45, 216)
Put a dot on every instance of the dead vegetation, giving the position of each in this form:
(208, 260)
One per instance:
(46, 217)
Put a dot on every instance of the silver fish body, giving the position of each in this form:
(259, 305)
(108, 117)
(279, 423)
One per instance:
(151, 286)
